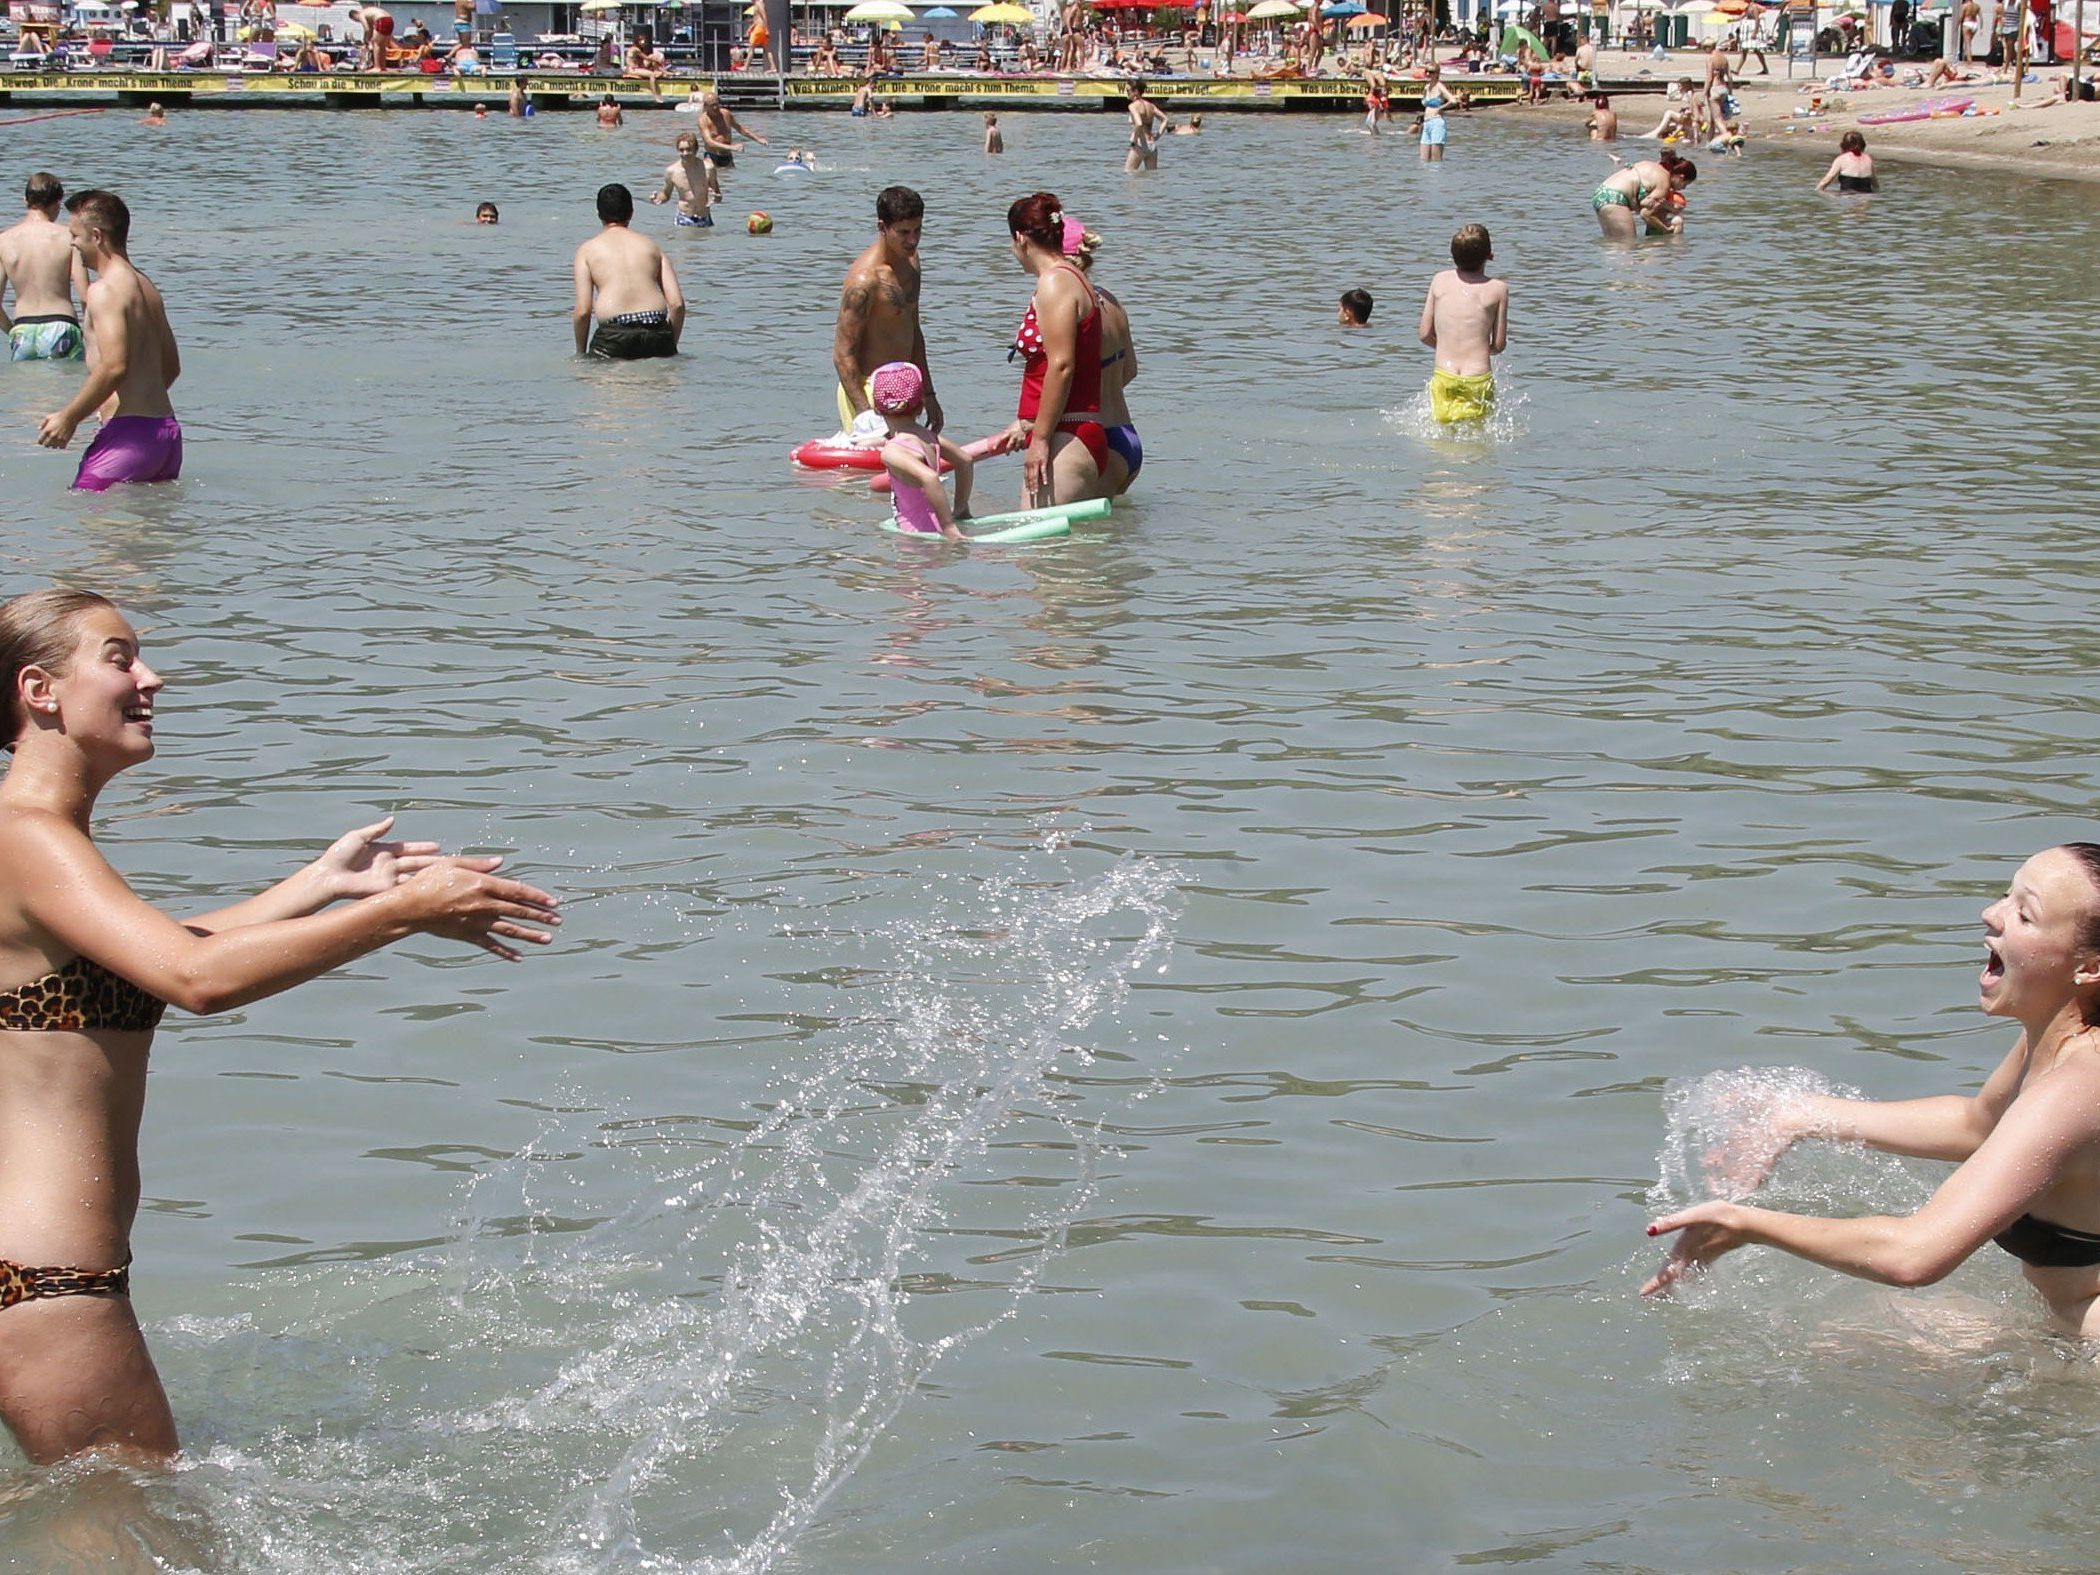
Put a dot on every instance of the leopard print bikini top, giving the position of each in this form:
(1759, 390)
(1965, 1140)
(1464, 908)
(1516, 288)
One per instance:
(81, 995)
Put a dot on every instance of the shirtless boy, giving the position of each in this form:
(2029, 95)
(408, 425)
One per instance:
(879, 313)
(628, 282)
(1465, 320)
(37, 258)
(692, 181)
(134, 358)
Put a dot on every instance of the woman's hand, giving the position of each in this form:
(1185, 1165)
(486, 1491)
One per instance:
(1709, 1230)
(1035, 468)
(462, 898)
(358, 864)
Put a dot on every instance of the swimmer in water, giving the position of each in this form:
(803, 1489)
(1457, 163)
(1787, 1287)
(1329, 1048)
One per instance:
(1148, 123)
(692, 181)
(1603, 124)
(609, 115)
(994, 138)
(1119, 366)
(1355, 309)
(486, 214)
(1638, 196)
(132, 359)
(1059, 417)
(1434, 133)
(1465, 320)
(1852, 170)
(38, 261)
(86, 970)
(2026, 1146)
(154, 116)
(912, 456)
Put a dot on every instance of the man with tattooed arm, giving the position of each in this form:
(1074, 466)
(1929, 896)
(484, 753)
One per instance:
(879, 314)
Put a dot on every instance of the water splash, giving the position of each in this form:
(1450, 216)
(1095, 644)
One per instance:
(1505, 423)
(688, 1333)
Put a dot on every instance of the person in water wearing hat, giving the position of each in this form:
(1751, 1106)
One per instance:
(913, 456)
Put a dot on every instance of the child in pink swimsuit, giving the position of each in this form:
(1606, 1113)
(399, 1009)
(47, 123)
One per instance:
(912, 456)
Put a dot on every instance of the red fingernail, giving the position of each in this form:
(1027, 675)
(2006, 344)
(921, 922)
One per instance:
(1651, 1230)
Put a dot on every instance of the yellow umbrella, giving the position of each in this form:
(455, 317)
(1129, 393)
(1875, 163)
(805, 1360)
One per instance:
(1002, 11)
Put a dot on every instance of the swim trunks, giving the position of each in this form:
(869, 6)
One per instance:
(722, 158)
(1124, 441)
(1434, 131)
(131, 448)
(1454, 398)
(22, 1282)
(1093, 437)
(696, 221)
(634, 336)
(49, 338)
(849, 417)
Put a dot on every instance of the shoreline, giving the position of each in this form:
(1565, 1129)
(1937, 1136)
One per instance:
(2042, 139)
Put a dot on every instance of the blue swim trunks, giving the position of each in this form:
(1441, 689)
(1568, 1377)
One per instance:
(696, 221)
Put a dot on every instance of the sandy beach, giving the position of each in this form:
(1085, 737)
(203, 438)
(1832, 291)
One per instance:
(2038, 136)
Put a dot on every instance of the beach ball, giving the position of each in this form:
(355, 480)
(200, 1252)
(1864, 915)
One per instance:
(759, 224)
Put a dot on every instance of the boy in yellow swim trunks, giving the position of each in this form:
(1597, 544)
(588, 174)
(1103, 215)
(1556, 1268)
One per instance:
(1465, 320)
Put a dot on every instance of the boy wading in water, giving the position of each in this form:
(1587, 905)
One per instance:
(1465, 320)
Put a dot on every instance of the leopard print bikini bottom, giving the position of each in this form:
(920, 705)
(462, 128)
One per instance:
(19, 1282)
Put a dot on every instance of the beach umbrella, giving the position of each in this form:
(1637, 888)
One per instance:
(879, 11)
(1003, 11)
(1270, 8)
(1368, 19)
(599, 5)
(943, 14)
(1344, 8)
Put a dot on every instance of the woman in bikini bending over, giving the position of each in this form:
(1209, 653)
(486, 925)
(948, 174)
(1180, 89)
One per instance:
(1060, 343)
(2026, 1146)
(87, 968)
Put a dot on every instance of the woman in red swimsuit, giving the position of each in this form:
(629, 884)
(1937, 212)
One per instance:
(1060, 339)
(87, 968)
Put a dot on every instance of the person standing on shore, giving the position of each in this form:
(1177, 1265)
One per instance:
(878, 317)
(37, 259)
(627, 282)
(691, 179)
(133, 359)
(86, 971)
(1465, 320)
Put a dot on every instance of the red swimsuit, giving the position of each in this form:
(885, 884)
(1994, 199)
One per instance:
(1082, 417)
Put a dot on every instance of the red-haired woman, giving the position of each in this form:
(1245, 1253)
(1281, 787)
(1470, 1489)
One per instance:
(1060, 341)
(87, 968)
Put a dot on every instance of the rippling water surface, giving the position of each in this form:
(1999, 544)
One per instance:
(1141, 1053)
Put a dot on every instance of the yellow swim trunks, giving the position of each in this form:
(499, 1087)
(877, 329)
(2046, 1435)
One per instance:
(846, 405)
(1454, 398)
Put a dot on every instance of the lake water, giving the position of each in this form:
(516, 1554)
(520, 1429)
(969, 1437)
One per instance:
(1142, 1053)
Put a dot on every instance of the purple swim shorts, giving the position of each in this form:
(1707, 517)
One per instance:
(131, 448)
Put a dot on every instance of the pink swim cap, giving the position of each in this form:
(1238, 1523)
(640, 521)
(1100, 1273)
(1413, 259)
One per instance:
(897, 388)
(1075, 234)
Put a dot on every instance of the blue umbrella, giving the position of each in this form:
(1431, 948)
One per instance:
(1344, 8)
(941, 13)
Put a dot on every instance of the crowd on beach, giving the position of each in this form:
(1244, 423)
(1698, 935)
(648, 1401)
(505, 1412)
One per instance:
(98, 966)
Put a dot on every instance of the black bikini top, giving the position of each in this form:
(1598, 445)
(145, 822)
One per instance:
(2048, 1246)
(81, 995)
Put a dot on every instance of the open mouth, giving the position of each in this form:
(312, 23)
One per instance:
(1993, 964)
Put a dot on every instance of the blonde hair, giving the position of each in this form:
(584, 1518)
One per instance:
(36, 630)
(1089, 247)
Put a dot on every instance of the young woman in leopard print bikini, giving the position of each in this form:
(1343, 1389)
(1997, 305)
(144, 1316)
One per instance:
(101, 966)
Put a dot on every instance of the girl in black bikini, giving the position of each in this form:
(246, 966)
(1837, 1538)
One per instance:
(2027, 1144)
(101, 967)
